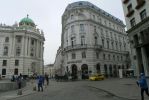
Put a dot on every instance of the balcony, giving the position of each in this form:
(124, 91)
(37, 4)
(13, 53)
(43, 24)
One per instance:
(140, 4)
(79, 46)
(125, 1)
(130, 13)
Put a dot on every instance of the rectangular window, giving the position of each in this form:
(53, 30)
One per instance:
(143, 14)
(4, 62)
(97, 55)
(129, 8)
(82, 40)
(132, 22)
(83, 54)
(81, 27)
(72, 29)
(73, 56)
(16, 62)
(18, 39)
(104, 56)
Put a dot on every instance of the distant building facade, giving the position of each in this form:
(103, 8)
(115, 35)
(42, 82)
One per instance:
(21, 49)
(92, 41)
(50, 70)
(136, 14)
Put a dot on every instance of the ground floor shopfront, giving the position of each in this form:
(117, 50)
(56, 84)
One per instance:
(83, 71)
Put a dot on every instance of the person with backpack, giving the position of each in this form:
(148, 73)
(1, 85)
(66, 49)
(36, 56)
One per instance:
(142, 83)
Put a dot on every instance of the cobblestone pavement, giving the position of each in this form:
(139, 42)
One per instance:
(109, 89)
(77, 90)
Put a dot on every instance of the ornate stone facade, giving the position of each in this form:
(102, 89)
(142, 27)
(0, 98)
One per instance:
(21, 49)
(138, 33)
(93, 41)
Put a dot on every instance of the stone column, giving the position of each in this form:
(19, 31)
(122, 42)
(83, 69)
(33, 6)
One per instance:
(13, 46)
(145, 61)
(29, 44)
(26, 46)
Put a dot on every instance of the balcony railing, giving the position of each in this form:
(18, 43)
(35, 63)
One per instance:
(84, 46)
(140, 4)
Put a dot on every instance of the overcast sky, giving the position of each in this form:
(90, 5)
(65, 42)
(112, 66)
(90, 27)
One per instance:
(47, 16)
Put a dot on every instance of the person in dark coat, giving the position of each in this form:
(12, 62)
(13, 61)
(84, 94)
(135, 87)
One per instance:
(47, 78)
(40, 81)
(19, 82)
(143, 85)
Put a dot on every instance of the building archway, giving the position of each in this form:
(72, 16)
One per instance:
(74, 71)
(98, 68)
(84, 69)
(110, 70)
(106, 71)
(114, 71)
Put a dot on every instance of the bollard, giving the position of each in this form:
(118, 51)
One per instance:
(19, 92)
(34, 88)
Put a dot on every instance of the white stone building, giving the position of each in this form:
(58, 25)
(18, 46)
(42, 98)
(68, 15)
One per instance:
(136, 14)
(21, 49)
(93, 41)
(50, 70)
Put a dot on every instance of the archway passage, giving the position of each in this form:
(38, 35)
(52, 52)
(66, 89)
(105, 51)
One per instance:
(110, 69)
(98, 68)
(84, 69)
(74, 72)
(106, 72)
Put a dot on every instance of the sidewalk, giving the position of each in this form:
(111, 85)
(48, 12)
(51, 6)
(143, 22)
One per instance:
(124, 88)
(13, 94)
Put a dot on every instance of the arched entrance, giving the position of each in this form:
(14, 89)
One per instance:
(74, 72)
(114, 71)
(98, 68)
(110, 69)
(84, 69)
(106, 72)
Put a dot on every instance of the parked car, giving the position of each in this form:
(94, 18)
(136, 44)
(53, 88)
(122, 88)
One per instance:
(96, 77)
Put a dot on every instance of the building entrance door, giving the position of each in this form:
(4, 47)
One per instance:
(84, 69)
(74, 72)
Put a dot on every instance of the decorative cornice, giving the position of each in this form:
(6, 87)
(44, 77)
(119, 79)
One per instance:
(138, 25)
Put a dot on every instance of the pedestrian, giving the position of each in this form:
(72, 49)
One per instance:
(19, 82)
(142, 83)
(47, 78)
(40, 82)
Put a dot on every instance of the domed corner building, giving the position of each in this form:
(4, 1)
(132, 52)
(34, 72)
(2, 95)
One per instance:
(21, 49)
(93, 41)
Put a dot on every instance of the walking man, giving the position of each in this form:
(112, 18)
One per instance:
(47, 78)
(143, 85)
